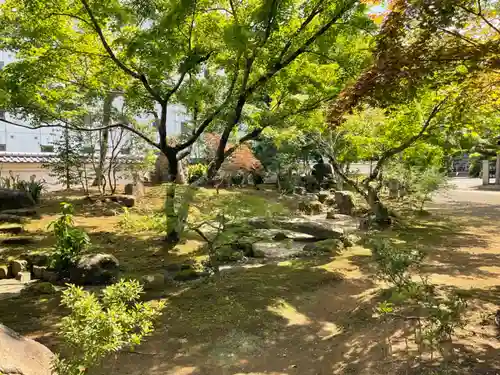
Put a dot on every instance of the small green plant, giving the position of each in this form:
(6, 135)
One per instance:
(33, 187)
(97, 327)
(71, 241)
(395, 264)
(426, 183)
(149, 222)
(196, 171)
(437, 314)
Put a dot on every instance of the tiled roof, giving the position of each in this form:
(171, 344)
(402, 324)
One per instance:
(45, 157)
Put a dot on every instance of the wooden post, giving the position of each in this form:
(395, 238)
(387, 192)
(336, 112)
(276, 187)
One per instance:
(486, 172)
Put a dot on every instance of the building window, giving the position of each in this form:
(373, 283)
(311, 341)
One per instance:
(125, 151)
(47, 148)
(2, 115)
(88, 150)
(3, 147)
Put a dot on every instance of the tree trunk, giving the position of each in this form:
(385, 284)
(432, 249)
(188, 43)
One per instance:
(104, 139)
(376, 206)
(66, 164)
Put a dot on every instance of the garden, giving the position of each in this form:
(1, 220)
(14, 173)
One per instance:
(251, 188)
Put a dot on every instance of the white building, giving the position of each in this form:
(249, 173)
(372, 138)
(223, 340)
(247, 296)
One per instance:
(23, 150)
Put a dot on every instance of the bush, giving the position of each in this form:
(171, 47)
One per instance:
(97, 327)
(196, 171)
(394, 264)
(33, 187)
(475, 168)
(71, 242)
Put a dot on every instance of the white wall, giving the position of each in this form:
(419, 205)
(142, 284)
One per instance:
(19, 139)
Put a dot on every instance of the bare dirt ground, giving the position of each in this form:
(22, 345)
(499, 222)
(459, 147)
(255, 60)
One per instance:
(311, 316)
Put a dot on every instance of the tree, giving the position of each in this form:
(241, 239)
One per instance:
(422, 42)
(226, 62)
(382, 134)
(68, 161)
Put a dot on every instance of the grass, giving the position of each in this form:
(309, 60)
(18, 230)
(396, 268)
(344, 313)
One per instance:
(304, 316)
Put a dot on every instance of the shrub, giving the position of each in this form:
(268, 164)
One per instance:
(394, 264)
(97, 327)
(33, 187)
(196, 171)
(475, 168)
(428, 182)
(150, 222)
(71, 242)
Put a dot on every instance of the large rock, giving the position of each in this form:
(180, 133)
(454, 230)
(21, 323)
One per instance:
(277, 250)
(15, 199)
(136, 189)
(311, 207)
(318, 230)
(22, 356)
(325, 246)
(95, 269)
(344, 202)
(323, 196)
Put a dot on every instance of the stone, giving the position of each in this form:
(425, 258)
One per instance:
(325, 246)
(277, 250)
(24, 240)
(12, 229)
(316, 229)
(186, 275)
(393, 186)
(126, 200)
(39, 288)
(8, 218)
(38, 271)
(4, 272)
(280, 236)
(330, 201)
(15, 199)
(38, 259)
(49, 275)
(154, 281)
(26, 212)
(311, 207)
(344, 202)
(17, 266)
(23, 276)
(323, 196)
(136, 189)
(22, 356)
(299, 190)
(364, 223)
(330, 215)
(95, 269)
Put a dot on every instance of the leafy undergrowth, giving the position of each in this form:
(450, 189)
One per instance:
(304, 316)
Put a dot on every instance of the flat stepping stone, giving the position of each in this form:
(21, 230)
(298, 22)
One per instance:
(11, 288)
(284, 234)
(278, 249)
(8, 218)
(20, 212)
(11, 229)
(18, 240)
(319, 229)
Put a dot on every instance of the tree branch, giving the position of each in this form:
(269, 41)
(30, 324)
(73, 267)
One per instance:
(113, 57)
(199, 131)
(403, 146)
(302, 27)
(78, 128)
(280, 64)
